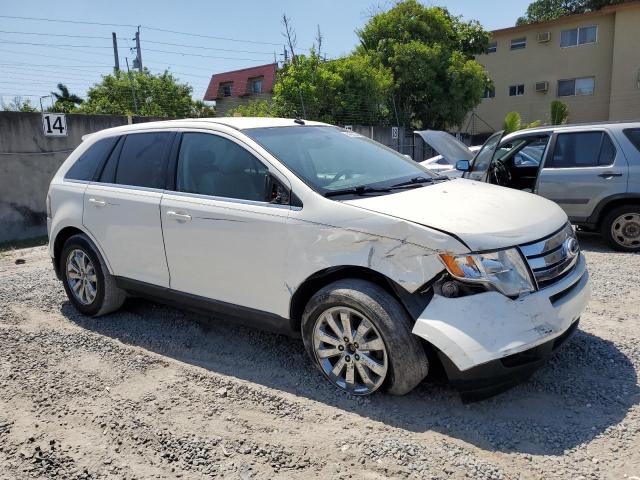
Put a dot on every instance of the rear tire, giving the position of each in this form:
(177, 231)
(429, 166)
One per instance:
(90, 287)
(400, 360)
(621, 228)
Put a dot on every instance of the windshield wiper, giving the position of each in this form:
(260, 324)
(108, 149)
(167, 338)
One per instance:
(359, 190)
(414, 182)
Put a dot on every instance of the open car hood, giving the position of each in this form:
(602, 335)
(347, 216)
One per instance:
(483, 216)
(446, 145)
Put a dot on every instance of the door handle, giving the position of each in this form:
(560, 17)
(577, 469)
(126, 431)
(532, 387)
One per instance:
(609, 174)
(97, 203)
(181, 217)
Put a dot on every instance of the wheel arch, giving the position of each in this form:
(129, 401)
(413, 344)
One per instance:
(608, 203)
(62, 236)
(413, 303)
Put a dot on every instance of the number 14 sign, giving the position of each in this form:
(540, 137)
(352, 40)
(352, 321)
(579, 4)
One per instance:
(54, 124)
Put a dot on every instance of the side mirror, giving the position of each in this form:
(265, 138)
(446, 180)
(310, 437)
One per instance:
(463, 165)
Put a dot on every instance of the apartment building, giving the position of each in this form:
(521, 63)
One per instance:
(238, 87)
(589, 61)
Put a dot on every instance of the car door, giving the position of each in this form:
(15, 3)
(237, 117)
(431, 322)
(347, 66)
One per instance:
(122, 207)
(224, 240)
(480, 165)
(582, 168)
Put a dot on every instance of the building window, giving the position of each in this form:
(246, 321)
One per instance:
(516, 90)
(256, 84)
(489, 92)
(492, 47)
(579, 36)
(519, 43)
(576, 86)
(226, 89)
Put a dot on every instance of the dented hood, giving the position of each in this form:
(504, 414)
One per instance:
(482, 215)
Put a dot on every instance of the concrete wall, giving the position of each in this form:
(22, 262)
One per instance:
(28, 161)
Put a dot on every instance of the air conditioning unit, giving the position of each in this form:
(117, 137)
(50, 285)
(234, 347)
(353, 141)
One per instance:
(544, 37)
(542, 86)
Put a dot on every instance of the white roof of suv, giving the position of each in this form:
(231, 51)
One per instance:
(238, 123)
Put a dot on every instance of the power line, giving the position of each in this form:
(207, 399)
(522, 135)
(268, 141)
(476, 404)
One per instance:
(55, 35)
(200, 35)
(79, 22)
(64, 46)
(157, 29)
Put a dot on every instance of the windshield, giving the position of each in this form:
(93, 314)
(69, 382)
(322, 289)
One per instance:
(328, 158)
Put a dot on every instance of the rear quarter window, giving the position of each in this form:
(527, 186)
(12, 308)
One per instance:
(86, 165)
(633, 134)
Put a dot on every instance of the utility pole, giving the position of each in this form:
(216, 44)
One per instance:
(116, 64)
(133, 87)
(139, 52)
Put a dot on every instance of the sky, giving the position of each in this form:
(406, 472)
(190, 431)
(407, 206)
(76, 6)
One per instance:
(35, 55)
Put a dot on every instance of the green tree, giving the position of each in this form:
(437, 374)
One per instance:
(18, 105)
(256, 108)
(544, 10)
(430, 53)
(353, 89)
(65, 101)
(559, 112)
(145, 94)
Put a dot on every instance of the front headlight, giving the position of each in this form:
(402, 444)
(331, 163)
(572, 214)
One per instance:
(505, 270)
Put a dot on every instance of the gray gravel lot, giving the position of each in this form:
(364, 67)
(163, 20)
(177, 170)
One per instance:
(153, 392)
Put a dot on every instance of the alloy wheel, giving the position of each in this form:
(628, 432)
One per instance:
(350, 350)
(81, 277)
(625, 230)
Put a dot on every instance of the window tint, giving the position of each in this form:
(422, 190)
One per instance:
(583, 149)
(587, 35)
(578, 36)
(108, 174)
(85, 167)
(143, 159)
(489, 92)
(492, 47)
(516, 90)
(633, 134)
(576, 86)
(566, 88)
(518, 43)
(569, 38)
(212, 165)
(484, 156)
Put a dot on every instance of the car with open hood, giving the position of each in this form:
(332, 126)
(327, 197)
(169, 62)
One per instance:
(591, 170)
(381, 267)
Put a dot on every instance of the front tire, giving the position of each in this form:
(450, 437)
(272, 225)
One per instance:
(621, 228)
(360, 338)
(89, 286)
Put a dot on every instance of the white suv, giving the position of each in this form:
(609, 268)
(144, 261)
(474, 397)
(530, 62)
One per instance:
(301, 227)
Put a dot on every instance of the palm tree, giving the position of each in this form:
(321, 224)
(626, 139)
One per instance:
(65, 101)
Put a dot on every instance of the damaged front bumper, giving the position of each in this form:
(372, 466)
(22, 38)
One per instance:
(488, 339)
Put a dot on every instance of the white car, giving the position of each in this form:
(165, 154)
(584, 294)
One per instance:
(301, 227)
(441, 165)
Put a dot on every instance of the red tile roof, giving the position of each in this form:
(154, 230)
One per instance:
(240, 79)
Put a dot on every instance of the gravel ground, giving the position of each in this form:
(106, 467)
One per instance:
(153, 392)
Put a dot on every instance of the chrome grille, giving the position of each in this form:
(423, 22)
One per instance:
(552, 257)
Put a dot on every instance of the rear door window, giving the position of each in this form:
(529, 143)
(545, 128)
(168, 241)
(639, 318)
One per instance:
(87, 164)
(582, 149)
(142, 161)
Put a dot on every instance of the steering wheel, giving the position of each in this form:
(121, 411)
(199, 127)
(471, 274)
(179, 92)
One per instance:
(346, 173)
(500, 174)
